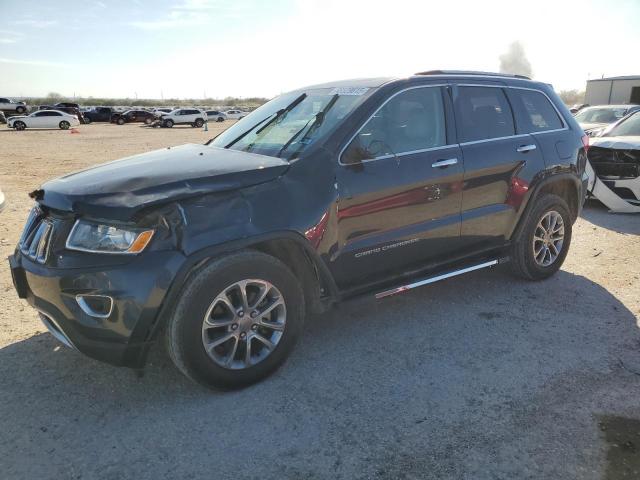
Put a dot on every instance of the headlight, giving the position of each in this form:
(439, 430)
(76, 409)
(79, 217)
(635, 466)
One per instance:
(92, 237)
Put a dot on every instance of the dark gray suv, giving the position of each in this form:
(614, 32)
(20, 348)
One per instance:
(363, 186)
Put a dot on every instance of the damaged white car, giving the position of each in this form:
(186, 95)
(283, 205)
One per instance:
(615, 165)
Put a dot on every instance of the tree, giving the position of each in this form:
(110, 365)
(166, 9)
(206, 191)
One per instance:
(572, 97)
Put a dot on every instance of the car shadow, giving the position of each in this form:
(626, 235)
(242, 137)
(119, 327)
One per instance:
(598, 214)
(478, 374)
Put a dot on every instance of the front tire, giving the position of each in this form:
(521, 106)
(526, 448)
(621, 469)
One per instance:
(19, 125)
(148, 121)
(120, 121)
(237, 320)
(220, 119)
(168, 123)
(20, 110)
(199, 123)
(544, 240)
(64, 125)
(87, 120)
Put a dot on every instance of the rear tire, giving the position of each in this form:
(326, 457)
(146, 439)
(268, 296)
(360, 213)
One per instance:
(148, 121)
(543, 242)
(120, 121)
(87, 120)
(20, 110)
(19, 125)
(64, 125)
(213, 295)
(199, 123)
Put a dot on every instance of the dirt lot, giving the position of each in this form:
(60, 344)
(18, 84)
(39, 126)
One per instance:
(477, 377)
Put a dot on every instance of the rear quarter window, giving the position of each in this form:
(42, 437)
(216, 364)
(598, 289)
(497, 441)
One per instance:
(535, 112)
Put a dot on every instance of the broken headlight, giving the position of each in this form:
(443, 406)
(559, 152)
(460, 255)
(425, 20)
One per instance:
(97, 238)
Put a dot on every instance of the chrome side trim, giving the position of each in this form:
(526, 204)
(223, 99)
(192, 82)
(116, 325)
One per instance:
(403, 154)
(55, 330)
(485, 140)
(437, 278)
(383, 157)
(374, 114)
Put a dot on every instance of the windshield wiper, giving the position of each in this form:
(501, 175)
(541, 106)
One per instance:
(281, 112)
(273, 117)
(313, 123)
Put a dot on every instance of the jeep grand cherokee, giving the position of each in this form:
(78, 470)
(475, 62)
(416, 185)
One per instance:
(326, 192)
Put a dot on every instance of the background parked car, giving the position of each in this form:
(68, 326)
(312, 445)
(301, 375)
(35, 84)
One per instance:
(577, 107)
(235, 114)
(98, 114)
(75, 111)
(67, 104)
(43, 119)
(216, 115)
(133, 116)
(615, 157)
(594, 119)
(184, 116)
(8, 105)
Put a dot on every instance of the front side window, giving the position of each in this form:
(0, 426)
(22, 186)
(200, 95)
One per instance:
(483, 113)
(410, 121)
(538, 115)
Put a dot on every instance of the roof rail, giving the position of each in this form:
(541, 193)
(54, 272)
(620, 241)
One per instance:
(471, 72)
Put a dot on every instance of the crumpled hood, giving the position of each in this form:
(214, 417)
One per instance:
(119, 189)
(12, 117)
(622, 143)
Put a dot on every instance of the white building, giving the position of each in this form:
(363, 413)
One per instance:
(613, 90)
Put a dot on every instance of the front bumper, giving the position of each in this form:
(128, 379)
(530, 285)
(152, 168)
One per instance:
(137, 289)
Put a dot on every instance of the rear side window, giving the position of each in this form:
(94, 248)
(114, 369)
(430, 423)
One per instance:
(483, 113)
(412, 120)
(536, 113)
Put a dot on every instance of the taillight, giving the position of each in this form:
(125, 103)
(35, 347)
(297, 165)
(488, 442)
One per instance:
(585, 143)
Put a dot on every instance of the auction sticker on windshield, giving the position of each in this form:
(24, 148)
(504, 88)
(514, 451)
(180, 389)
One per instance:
(349, 91)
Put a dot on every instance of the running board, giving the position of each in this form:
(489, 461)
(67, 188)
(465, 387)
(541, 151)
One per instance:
(437, 278)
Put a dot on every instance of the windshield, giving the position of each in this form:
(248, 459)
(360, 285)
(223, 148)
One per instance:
(600, 115)
(288, 124)
(627, 128)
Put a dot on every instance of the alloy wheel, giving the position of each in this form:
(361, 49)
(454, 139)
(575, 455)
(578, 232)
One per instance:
(548, 238)
(244, 324)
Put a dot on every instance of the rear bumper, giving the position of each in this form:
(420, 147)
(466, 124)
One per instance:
(120, 336)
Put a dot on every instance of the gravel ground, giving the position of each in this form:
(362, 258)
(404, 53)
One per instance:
(477, 377)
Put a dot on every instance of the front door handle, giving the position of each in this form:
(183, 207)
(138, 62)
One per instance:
(525, 148)
(444, 163)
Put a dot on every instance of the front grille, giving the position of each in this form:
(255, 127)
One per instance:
(36, 237)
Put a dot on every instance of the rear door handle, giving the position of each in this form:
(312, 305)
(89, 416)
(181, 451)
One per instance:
(526, 148)
(444, 163)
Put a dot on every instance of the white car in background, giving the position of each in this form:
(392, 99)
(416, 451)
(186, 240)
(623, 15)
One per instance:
(216, 116)
(183, 116)
(235, 114)
(43, 119)
(7, 105)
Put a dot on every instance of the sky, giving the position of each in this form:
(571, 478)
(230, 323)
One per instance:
(246, 48)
